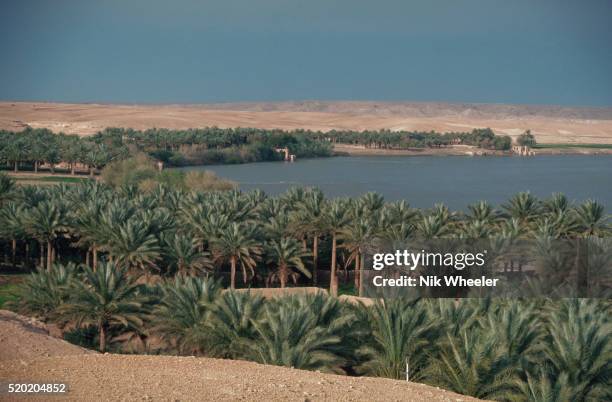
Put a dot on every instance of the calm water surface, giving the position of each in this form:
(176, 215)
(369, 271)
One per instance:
(425, 180)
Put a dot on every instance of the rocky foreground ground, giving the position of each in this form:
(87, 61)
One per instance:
(29, 354)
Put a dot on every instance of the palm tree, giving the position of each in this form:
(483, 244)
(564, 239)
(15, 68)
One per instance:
(592, 220)
(546, 388)
(44, 291)
(12, 226)
(105, 298)
(230, 325)
(88, 228)
(133, 246)
(311, 215)
(403, 335)
(289, 336)
(474, 364)
(579, 345)
(181, 315)
(286, 254)
(7, 189)
(357, 237)
(46, 221)
(336, 218)
(183, 255)
(524, 207)
(237, 244)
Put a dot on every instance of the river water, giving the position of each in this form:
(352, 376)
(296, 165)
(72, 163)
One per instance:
(425, 180)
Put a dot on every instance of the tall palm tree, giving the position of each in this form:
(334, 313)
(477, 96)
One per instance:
(133, 246)
(357, 237)
(287, 255)
(336, 218)
(184, 257)
(524, 207)
(105, 298)
(45, 222)
(12, 226)
(592, 219)
(237, 244)
(310, 214)
(88, 227)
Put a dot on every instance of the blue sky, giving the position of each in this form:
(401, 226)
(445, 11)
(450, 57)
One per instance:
(151, 51)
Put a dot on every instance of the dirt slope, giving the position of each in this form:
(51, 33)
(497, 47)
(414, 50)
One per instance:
(28, 354)
(24, 338)
(549, 124)
(122, 377)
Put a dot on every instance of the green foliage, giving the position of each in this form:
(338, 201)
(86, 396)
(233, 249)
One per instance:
(104, 298)
(231, 324)
(490, 348)
(526, 139)
(140, 171)
(43, 292)
(289, 334)
(181, 314)
(404, 337)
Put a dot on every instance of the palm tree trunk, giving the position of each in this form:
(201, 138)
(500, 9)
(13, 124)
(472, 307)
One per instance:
(72, 168)
(35, 166)
(49, 255)
(357, 271)
(361, 272)
(16, 166)
(95, 257)
(315, 259)
(333, 280)
(14, 252)
(87, 258)
(102, 338)
(582, 269)
(283, 275)
(233, 273)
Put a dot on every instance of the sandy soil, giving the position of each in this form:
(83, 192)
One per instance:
(167, 378)
(549, 124)
(28, 354)
(24, 338)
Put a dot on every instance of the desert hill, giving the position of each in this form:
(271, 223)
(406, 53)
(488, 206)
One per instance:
(550, 124)
(29, 354)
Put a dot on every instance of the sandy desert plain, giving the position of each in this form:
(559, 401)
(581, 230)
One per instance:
(550, 124)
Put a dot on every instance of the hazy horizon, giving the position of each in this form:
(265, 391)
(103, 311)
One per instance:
(546, 53)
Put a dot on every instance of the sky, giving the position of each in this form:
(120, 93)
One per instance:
(201, 51)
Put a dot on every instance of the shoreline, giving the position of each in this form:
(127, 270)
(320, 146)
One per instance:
(460, 150)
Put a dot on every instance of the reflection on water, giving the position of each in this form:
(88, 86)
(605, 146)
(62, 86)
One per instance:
(426, 180)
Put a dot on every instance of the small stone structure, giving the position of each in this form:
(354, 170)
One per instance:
(287, 157)
(522, 150)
